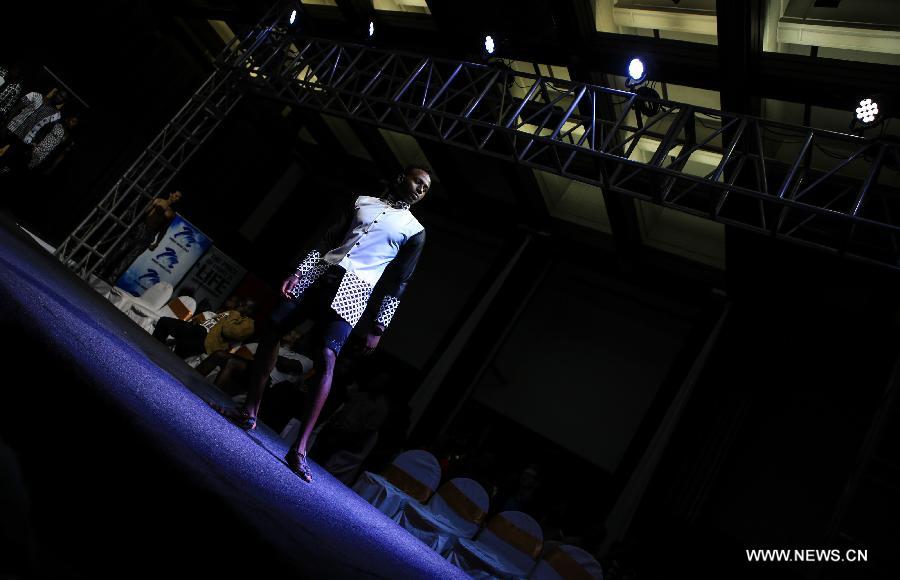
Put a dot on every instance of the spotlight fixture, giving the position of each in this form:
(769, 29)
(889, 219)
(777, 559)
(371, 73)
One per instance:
(637, 73)
(867, 112)
(489, 44)
(649, 105)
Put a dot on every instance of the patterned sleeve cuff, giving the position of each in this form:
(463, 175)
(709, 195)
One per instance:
(386, 311)
(309, 263)
(308, 271)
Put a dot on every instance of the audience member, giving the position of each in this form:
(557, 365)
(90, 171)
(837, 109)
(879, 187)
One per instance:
(355, 421)
(290, 367)
(193, 338)
(48, 142)
(10, 90)
(523, 494)
(34, 112)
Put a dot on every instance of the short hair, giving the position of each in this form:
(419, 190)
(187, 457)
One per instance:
(410, 168)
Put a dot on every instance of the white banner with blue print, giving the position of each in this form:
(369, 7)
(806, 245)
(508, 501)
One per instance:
(176, 253)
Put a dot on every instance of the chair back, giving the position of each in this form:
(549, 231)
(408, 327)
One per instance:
(514, 536)
(462, 502)
(181, 308)
(416, 472)
(156, 296)
(567, 561)
(246, 351)
(206, 315)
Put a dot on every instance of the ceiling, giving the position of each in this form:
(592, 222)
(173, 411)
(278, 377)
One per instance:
(843, 50)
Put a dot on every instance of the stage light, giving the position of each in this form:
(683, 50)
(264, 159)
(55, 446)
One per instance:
(489, 44)
(293, 17)
(649, 106)
(371, 28)
(867, 111)
(636, 73)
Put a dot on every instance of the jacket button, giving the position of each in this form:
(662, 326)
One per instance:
(357, 243)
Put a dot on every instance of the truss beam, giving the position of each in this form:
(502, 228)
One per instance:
(759, 180)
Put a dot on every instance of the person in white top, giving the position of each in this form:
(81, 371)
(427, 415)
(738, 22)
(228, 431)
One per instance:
(376, 241)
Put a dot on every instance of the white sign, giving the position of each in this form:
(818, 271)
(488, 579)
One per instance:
(213, 277)
(176, 253)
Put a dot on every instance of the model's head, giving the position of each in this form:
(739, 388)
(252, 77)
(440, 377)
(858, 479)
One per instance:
(174, 196)
(413, 184)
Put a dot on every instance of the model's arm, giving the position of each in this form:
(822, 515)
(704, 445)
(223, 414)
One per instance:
(394, 281)
(293, 286)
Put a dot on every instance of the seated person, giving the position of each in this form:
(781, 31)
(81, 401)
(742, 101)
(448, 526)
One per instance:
(290, 367)
(354, 422)
(219, 333)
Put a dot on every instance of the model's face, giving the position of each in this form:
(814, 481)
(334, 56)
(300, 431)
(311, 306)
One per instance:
(174, 196)
(414, 186)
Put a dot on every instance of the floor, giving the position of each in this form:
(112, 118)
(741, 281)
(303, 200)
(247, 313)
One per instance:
(115, 463)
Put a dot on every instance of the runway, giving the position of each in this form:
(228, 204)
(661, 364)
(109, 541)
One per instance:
(119, 466)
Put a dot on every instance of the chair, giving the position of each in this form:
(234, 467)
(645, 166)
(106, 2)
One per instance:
(455, 511)
(507, 547)
(413, 475)
(206, 315)
(345, 465)
(181, 308)
(564, 561)
(153, 298)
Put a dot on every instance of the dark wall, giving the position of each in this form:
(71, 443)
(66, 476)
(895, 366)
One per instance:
(585, 360)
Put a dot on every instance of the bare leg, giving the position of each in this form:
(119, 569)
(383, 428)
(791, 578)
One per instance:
(263, 363)
(315, 401)
(218, 358)
(226, 381)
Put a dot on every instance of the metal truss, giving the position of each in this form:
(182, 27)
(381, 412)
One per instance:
(108, 224)
(820, 188)
(833, 191)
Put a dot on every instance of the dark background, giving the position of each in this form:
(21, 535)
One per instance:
(787, 438)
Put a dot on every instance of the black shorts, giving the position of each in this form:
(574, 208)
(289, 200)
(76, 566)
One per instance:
(331, 330)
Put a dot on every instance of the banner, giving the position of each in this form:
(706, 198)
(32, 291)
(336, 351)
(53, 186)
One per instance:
(181, 247)
(213, 278)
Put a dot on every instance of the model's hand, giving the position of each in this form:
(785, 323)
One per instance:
(371, 344)
(288, 288)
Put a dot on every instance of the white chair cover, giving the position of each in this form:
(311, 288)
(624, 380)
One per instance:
(567, 562)
(291, 430)
(154, 298)
(438, 524)
(378, 491)
(344, 465)
(491, 555)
